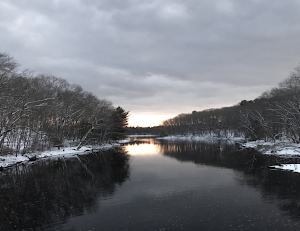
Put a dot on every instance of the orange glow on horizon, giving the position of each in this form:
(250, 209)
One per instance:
(147, 120)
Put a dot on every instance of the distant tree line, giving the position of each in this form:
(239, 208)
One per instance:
(40, 111)
(273, 115)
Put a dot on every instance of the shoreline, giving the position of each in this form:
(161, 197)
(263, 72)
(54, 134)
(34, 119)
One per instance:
(68, 152)
(201, 138)
(281, 148)
(284, 148)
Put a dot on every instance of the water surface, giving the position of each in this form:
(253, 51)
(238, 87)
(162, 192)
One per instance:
(154, 185)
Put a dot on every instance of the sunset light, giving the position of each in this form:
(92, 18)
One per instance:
(150, 115)
(147, 120)
(142, 149)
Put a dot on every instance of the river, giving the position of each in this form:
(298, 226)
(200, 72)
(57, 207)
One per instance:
(152, 185)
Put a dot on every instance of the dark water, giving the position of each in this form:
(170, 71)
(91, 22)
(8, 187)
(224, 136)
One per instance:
(154, 185)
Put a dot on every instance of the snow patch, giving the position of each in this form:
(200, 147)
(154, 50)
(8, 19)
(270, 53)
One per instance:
(6, 161)
(200, 138)
(288, 167)
(135, 136)
(9, 160)
(282, 148)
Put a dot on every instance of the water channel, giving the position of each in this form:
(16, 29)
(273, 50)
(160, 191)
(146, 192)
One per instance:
(152, 185)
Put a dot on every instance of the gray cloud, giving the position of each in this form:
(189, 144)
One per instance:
(158, 56)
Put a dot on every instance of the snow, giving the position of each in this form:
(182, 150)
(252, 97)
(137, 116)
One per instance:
(136, 136)
(288, 167)
(282, 148)
(206, 137)
(123, 141)
(9, 160)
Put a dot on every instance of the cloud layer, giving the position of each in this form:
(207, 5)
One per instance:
(157, 57)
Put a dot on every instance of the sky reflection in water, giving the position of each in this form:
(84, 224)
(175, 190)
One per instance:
(142, 149)
(164, 193)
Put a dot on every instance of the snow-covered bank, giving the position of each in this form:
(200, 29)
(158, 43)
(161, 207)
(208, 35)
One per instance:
(141, 136)
(9, 160)
(282, 148)
(208, 138)
(288, 167)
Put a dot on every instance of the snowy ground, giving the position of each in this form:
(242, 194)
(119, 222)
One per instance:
(288, 167)
(200, 138)
(6, 161)
(137, 136)
(282, 148)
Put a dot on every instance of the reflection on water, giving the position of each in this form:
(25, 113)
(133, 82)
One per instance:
(276, 187)
(173, 185)
(43, 195)
(142, 149)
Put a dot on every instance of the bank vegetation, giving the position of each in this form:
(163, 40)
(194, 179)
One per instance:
(38, 112)
(274, 115)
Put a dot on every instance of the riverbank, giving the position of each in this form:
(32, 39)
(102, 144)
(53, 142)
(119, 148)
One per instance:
(208, 138)
(141, 136)
(281, 148)
(10, 160)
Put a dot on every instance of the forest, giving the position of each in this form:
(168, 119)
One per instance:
(41, 111)
(275, 114)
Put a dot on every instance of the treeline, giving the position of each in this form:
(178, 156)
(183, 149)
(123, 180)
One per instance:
(273, 115)
(40, 111)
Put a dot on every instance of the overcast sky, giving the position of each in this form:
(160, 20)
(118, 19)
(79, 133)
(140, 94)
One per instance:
(158, 57)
